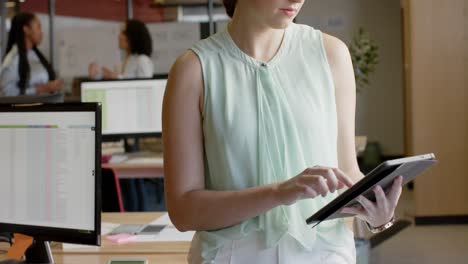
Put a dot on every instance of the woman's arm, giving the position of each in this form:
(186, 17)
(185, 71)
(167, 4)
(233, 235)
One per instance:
(108, 74)
(345, 93)
(9, 81)
(190, 206)
(383, 209)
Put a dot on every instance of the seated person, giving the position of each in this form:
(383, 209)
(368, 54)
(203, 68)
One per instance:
(25, 70)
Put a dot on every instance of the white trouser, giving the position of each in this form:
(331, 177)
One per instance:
(288, 250)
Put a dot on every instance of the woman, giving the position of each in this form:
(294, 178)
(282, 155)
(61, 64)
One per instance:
(25, 70)
(258, 126)
(135, 41)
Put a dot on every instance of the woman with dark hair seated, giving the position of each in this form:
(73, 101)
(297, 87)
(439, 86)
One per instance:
(25, 70)
(135, 41)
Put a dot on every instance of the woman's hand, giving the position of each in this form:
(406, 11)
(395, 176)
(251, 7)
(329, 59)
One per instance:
(383, 210)
(93, 70)
(109, 74)
(310, 183)
(50, 87)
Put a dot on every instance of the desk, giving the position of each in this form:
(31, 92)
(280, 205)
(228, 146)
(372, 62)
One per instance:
(151, 166)
(155, 252)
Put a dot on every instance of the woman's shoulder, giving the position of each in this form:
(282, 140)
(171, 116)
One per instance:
(11, 59)
(211, 45)
(185, 78)
(142, 59)
(335, 49)
(187, 64)
(305, 32)
(313, 37)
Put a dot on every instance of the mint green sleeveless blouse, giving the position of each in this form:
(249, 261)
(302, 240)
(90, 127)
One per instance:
(265, 123)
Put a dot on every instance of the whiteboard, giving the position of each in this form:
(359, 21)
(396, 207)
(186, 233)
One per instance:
(81, 46)
(170, 40)
(79, 41)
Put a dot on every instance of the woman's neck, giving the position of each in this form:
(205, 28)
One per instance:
(260, 42)
(125, 61)
(28, 44)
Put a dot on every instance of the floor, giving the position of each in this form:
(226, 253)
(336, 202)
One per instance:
(422, 244)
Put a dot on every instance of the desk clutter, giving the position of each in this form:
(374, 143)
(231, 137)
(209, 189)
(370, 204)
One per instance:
(149, 151)
(167, 232)
(149, 144)
(161, 230)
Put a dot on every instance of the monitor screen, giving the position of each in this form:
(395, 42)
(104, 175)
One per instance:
(49, 169)
(129, 107)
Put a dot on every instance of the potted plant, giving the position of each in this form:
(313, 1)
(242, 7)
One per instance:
(365, 57)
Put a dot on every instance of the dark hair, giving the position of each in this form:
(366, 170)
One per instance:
(230, 6)
(16, 37)
(139, 38)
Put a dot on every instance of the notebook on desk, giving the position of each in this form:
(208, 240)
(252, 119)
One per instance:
(152, 228)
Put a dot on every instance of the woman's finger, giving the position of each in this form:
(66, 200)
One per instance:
(342, 177)
(366, 204)
(327, 174)
(332, 181)
(380, 197)
(310, 192)
(321, 184)
(395, 191)
(316, 182)
(353, 210)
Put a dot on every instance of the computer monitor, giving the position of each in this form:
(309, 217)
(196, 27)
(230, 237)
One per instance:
(130, 107)
(29, 99)
(50, 174)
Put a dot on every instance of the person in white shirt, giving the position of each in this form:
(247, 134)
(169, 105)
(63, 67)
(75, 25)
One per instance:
(25, 70)
(135, 41)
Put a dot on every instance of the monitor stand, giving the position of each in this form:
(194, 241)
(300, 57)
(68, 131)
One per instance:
(132, 147)
(39, 252)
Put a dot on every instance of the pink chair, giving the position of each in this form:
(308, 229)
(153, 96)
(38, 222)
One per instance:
(111, 194)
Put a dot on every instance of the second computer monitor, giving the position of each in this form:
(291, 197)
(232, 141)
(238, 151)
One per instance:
(50, 160)
(129, 107)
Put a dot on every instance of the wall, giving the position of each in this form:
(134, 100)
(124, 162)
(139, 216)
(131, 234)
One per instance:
(380, 108)
(438, 96)
(114, 10)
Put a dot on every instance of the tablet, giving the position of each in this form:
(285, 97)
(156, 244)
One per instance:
(382, 175)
